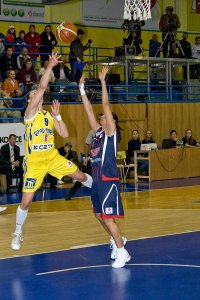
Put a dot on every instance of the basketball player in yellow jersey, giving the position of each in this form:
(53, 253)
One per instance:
(41, 156)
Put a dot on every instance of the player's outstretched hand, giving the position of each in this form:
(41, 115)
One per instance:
(55, 107)
(54, 59)
(103, 73)
(82, 80)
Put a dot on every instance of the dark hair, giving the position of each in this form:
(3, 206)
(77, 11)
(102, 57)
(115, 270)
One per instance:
(31, 26)
(80, 31)
(22, 31)
(11, 135)
(68, 144)
(119, 129)
(169, 8)
(47, 26)
(173, 131)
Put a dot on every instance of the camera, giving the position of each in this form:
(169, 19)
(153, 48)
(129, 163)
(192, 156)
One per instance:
(170, 24)
(89, 41)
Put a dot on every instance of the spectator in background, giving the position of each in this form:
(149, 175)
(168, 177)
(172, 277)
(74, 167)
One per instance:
(27, 76)
(10, 153)
(195, 69)
(3, 182)
(2, 44)
(133, 145)
(7, 62)
(11, 85)
(48, 41)
(169, 23)
(148, 139)
(33, 39)
(187, 52)
(21, 59)
(11, 37)
(42, 70)
(61, 72)
(173, 138)
(154, 46)
(20, 41)
(68, 153)
(76, 56)
(4, 105)
(188, 140)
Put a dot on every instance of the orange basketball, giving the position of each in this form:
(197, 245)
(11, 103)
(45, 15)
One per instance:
(66, 32)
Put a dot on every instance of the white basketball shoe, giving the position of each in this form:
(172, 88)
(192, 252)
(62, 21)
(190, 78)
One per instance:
(114, 247)
(2, 208)
(122, 258)
(16, 241)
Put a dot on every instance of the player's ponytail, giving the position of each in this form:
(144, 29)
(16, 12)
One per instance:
(119, 129)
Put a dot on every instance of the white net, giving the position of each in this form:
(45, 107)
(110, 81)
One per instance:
(137, 9)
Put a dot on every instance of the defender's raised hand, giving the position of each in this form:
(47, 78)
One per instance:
(54, 59)
(103, 73)
(55, 107)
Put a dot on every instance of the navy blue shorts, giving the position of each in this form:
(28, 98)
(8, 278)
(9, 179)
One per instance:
(106, 199)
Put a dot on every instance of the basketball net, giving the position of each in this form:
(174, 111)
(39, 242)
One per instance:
(137, 9)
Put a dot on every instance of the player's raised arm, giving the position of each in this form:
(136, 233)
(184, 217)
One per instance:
(39, 92)
(59, 125)
(87, 105)
(110, 123)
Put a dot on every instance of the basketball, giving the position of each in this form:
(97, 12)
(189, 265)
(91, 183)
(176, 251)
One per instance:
(66, 32)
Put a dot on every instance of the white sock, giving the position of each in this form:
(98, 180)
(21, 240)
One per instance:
(88, 182)
(20, 219)
(120, 250)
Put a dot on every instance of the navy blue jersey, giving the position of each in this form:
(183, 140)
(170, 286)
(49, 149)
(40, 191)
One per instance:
(103, 156)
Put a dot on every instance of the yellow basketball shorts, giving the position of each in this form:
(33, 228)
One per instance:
(35, 169)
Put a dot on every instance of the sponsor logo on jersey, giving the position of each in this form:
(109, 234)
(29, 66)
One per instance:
(43, 130)
(109, 210)
(42, 147)
(30, 183)
(95, 151)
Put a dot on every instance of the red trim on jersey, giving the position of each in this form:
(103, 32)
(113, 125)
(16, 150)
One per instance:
(105, 178)
(104, 216)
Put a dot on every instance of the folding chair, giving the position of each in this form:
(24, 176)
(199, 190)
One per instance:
(124, 168)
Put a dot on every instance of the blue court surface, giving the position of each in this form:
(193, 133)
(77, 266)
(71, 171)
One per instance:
(166, 268)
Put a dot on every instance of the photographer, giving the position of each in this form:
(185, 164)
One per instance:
(169, 23)
(76, 56)
(134, 34)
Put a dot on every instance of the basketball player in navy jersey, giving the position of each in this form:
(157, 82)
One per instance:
(105, 193)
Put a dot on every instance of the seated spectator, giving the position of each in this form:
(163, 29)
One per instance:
(2, 44)
(70, 154)
(10, 153)
(33, 39)
(22, 58)
(154, 46)
(188, 140)
(48, 41)
(7, 103)
(27, 76)
(20, 42)
(7, 62)
(11, 85)
(11, 37)
(3, 182)
(133, 145)
(42, 70)
(173, 137)
(148, 139)
(61, 71)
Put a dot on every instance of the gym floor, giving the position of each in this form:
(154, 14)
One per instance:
(66, 254)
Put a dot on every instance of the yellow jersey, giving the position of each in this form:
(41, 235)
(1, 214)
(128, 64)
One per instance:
(39, 135)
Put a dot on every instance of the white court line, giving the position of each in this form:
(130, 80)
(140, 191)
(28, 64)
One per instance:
(95, 245)
(102, 266)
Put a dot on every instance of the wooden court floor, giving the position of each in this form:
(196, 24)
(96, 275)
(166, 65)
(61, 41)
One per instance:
(58, 224)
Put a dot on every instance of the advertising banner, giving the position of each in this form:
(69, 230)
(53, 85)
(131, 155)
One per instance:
(16, 10)
(15, 128)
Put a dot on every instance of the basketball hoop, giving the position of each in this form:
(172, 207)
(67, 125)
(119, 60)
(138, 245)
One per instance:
(137, 9)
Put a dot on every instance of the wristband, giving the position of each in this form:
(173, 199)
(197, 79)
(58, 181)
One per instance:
(58, 118)
(82, 90)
